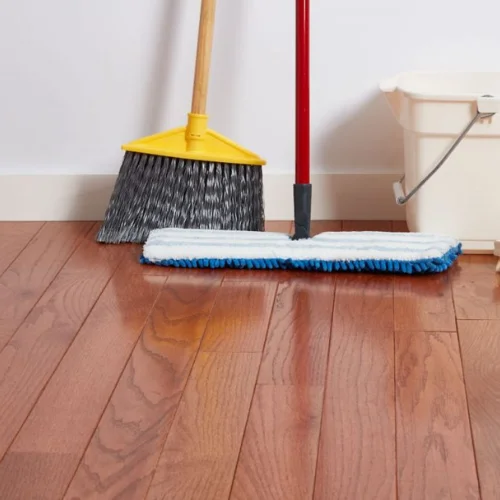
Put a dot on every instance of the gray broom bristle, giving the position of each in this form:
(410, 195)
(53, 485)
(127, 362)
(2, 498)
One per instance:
(153, 192)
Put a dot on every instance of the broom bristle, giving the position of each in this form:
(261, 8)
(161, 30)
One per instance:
(154, 192)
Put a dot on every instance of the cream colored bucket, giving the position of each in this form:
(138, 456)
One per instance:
(451, 181)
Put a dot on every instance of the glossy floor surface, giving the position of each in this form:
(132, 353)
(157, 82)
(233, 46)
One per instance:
(120, 381)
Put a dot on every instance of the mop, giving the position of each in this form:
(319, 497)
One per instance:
(361, 251)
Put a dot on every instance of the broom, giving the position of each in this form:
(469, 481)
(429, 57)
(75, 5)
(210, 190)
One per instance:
(355, 251)
(188, 177)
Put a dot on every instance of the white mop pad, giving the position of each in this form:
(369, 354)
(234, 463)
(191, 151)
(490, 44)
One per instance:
(408, 253)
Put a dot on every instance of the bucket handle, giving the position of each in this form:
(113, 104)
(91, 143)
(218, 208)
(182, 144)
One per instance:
(487, 106)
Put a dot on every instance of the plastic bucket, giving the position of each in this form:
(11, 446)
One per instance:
(451, 182)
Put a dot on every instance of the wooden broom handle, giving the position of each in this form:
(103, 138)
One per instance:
(203, 57)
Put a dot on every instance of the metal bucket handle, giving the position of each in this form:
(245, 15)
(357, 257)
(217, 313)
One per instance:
(487, 106)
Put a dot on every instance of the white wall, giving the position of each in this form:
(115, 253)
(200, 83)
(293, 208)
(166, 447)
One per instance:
(80, 77)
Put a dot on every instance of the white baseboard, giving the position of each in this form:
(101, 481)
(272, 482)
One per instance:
(85, 197)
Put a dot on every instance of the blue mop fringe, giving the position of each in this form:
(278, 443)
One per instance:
(421, 266)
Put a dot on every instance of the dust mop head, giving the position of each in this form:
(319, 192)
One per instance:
(407, 253)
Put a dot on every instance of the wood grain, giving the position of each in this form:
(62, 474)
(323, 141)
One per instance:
(203, 57)
(92, 258)
(30, 358)
(14, 236)
(201, 452)
(367, 225)
(297, 343)
(131, 264)
(279, 451)
(399, 226)
(356, 450)
(480, 345)
(424, 303)
(49, 445)
(273, 276)
(434, 446)
(124, 450)
(322, 226)
(363, 303)
(240, 317)
(24, 282)
(105, 391)
(476, 287)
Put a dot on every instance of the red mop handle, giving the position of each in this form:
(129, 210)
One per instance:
(302, 189)
(302, 127)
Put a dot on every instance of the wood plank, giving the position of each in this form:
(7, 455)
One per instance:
(323, 226)
(131, 264)
(240, 318)
(201, 452)
(434, 446)
(27, 278)
(476, 287)
(279, 451)
(363, 303)
(367, 225)
(14, 236)
(424, 303)
(278, 456)
(297, 343)
(480, 347)
(92, 258)
(35, 350)
(49, 446)
(399, 226)
(356, 450)
(124, 450)
(273, 276)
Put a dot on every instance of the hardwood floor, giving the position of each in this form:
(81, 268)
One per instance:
(122, 381)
